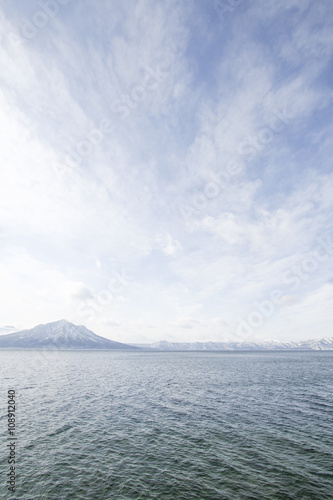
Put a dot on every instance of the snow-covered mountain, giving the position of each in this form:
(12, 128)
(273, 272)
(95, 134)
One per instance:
(59, 335)
(315, 344)
(65, 335)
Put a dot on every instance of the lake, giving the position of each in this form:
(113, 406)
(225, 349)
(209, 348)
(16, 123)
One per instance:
(168, 425)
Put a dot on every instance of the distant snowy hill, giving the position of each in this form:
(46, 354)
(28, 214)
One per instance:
(317, 345)
(59, 335)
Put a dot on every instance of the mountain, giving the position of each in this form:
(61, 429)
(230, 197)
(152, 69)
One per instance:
(59, 335)
(65, 335)
(325, 344)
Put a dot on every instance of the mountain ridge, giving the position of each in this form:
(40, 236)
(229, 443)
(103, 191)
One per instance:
(323, 344)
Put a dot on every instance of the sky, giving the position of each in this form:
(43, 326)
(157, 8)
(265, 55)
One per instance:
(166, 168)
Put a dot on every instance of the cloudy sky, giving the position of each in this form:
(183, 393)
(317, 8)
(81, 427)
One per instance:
(166, 168)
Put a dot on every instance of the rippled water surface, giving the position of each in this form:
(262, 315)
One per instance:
(177, 425)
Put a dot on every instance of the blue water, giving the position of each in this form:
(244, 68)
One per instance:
(173, 425)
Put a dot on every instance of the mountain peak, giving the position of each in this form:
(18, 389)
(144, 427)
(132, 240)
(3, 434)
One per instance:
(63, 322)
(60, 322)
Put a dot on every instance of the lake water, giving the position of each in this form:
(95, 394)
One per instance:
(169, 425)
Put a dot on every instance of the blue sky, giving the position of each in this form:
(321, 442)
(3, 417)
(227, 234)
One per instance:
(166, 168)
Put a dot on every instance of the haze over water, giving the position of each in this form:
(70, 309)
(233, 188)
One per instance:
(143, 425)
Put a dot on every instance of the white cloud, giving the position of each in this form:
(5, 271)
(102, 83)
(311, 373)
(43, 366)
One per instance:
(168, 244)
